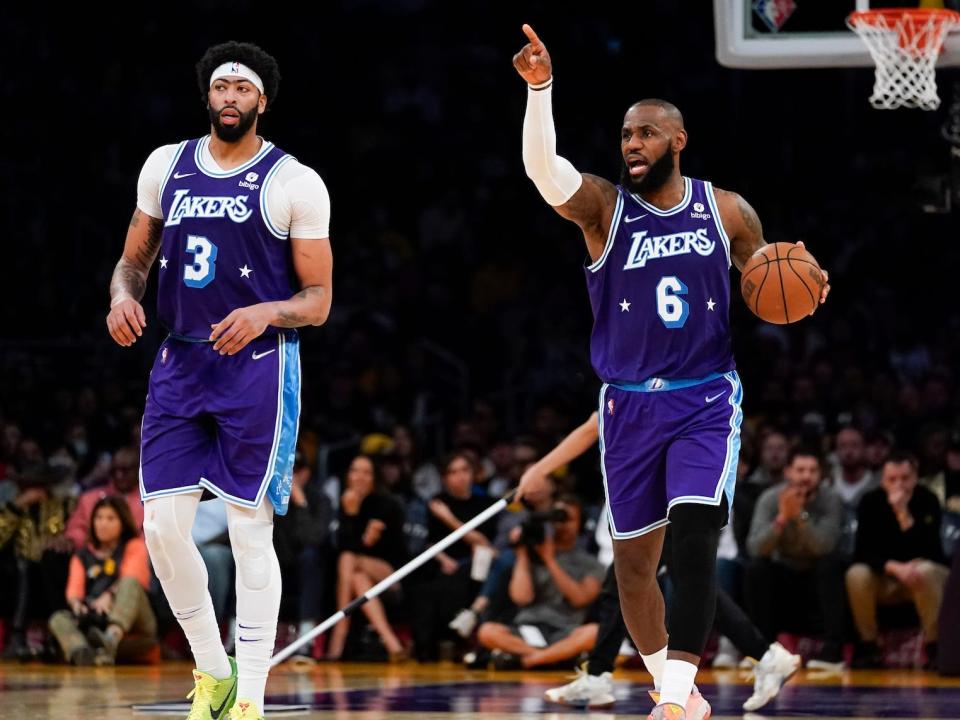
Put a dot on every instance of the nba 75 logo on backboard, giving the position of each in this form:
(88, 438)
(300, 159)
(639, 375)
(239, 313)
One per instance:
(774, 13)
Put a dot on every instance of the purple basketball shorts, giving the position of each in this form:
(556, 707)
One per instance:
(227, 423)
(665, 442)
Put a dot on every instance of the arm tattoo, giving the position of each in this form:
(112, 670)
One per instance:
(297, 317)
(147, 252)
(128, 279)
(130, 275)
(749, 215)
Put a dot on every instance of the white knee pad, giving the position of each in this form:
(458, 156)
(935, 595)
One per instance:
(167, 522)
(252, 540)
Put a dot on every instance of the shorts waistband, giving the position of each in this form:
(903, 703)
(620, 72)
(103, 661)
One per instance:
(289, 334)
(663, 384)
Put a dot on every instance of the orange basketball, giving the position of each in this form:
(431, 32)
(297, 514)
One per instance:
(781, 283)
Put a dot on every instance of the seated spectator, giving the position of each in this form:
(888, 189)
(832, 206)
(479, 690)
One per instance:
(898, 557)
(301, 538)
(444, 585)
(372, 545)
(793, 581)
(34, 552)
(851, 480)
(553, 583)
(124, 481)
(774, 452)
(110, 615)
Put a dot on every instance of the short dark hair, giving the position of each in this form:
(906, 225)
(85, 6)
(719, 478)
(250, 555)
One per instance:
(128, 530)
(254, 57)
(805, 451)
(898, 457)
(568, 498)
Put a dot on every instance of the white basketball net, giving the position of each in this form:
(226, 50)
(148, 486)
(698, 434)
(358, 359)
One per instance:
(905, 46)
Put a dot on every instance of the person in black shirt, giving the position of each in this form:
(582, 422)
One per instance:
(898, 557)
(445, 584)
(372, 546)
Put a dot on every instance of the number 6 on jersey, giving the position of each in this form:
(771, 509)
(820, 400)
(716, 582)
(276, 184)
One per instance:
(204, 268)
(672, 309)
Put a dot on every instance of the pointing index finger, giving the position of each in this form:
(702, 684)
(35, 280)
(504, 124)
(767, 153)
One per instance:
(532, 36)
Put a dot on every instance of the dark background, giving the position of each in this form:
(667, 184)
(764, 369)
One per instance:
(458, 294)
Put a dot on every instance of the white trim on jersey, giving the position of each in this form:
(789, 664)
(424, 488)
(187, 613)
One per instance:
(166, 178)
(687, 194)
(715, 209)
(732, 457)
(211, 172)
(611, 236)
(264, 208)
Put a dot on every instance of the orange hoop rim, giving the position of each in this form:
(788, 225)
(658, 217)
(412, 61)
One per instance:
(873, 17)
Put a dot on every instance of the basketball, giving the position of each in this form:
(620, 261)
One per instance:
(781, 283)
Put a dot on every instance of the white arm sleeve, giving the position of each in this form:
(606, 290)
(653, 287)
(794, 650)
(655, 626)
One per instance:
(555, 177)
(151, 178)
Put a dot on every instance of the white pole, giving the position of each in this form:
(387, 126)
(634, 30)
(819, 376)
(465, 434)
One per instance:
(390, 580)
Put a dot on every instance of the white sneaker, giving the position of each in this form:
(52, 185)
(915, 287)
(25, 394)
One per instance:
(464, 622)
(697, 707)
(726, 657)
(592, 691)
(775, 667)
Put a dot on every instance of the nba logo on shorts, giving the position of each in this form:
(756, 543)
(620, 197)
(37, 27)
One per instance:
(163, 357)
(610, 405)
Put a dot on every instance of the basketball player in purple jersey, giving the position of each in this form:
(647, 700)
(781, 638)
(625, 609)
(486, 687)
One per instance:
(660, 246)
(241, 230)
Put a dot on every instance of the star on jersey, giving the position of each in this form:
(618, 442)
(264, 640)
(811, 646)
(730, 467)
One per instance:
(711, 304)
(163, 263)
(624, 306)
(245, 271)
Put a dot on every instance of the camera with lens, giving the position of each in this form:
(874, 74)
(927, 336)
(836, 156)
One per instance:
(533, 530)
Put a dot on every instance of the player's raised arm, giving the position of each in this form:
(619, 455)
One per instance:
(742, 225)
(126, 319)
(584, 199)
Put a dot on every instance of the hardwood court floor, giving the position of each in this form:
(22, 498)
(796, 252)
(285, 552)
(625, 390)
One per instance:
(449, 692)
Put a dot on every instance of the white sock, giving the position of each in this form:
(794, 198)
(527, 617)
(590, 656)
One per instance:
(254, 649)
(654, 664)
(200, 626)
(678, 677)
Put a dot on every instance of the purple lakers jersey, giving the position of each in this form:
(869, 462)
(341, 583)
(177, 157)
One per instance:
(220, 250)
(660, 291)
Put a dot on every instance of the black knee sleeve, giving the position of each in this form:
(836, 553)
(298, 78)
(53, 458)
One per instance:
(695, 531)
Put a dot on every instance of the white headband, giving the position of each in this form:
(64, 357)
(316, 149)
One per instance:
(237, 69)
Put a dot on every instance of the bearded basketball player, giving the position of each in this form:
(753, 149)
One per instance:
(241, 230)
(660, 246)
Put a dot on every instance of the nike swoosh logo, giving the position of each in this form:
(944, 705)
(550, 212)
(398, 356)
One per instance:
(177, 176)
(627, 219)
(216, 712)
(711, 399)
(257, 356)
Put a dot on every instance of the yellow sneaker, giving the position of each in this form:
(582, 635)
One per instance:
(212, 698)
(245, 710)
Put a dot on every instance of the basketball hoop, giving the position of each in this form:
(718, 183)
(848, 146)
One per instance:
(905, 44)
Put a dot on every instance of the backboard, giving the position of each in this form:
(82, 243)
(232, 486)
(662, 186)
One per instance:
(772, 34)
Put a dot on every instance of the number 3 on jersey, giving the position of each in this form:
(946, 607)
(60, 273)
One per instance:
(672, 309)
(204, 268)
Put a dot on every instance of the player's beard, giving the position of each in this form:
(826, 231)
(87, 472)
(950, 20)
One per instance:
(657, 175)
(232, 133)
